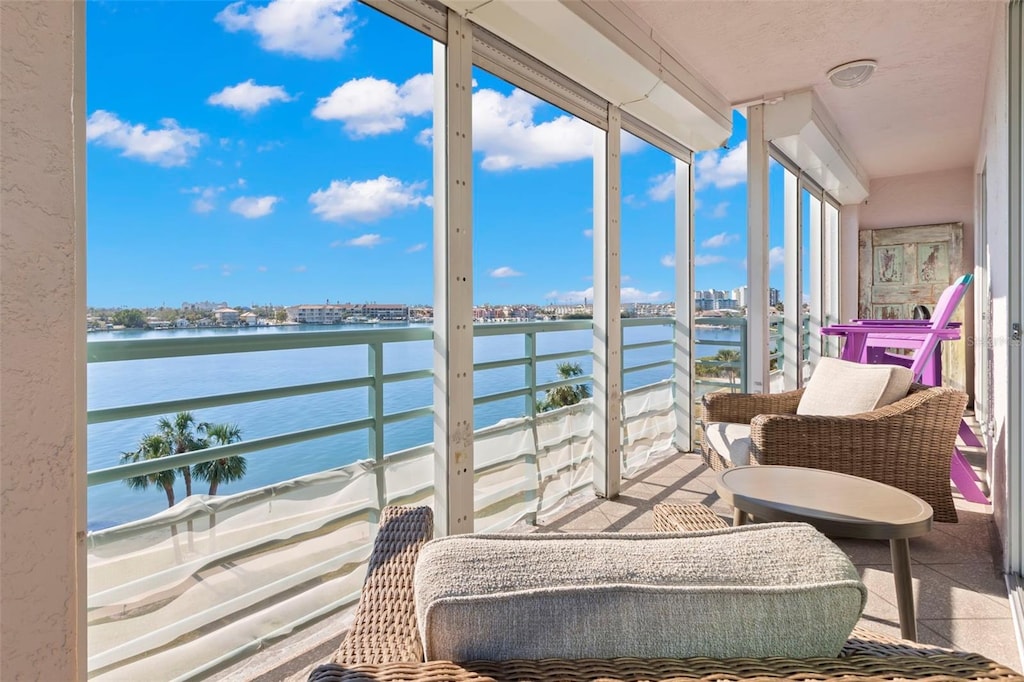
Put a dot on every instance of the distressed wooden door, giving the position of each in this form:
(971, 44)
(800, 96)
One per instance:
(901, 267)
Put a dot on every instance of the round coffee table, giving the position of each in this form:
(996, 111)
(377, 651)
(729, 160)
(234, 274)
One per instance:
(838, 505)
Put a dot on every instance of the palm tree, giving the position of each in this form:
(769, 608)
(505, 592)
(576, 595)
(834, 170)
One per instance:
(567, 394)
(182, 436)
(151, 447)
(730, 359)
(225, 469)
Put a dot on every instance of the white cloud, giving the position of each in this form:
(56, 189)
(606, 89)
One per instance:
(262, 268)
(240, 183)
(722, 170)
(206, 201)
(416, 247)
(425, 137)
(668, 260)
(299, 268)
(254, 207)
(708, 259)
(504, 271)
(588, 233)
(505, 131)
(719, 240)
(627, 294)
(371, 106)
(720, 210)
(662, 187)
(227, 269)
(168, 145)
(366, 240)
(776, 257)
(367, 200)
(315, 29)
(201, 266)
(249, 97)
(269, 146)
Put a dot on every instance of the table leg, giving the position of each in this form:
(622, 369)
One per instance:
(739, 517)
(899, 548)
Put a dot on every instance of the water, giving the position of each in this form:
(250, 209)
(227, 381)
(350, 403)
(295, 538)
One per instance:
(113, 384)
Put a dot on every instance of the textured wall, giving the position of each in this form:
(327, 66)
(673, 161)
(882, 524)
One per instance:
(41, 339)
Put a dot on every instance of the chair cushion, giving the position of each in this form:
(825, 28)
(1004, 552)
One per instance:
(838, 388)
(731, 441)
(776, 589)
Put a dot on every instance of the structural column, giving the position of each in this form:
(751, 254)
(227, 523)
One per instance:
(683, 334)
(607, 309)
(818, 270)
(757, 252)
(453, 280)
(792, 297)
(42, 341)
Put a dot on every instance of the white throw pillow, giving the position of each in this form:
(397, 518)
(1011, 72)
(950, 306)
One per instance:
(838, 388)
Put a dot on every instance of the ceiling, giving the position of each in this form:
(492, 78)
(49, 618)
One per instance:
(920, 112)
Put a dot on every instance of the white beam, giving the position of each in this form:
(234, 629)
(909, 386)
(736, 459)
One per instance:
(453, 280)
(607, 309)
(757, 252)
(683, 335)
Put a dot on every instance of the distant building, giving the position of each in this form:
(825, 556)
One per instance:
(740, 294)
(336, 313)
(226, 316)
(249, 319)
(773, 297)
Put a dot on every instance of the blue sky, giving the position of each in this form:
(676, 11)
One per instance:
(282, 155)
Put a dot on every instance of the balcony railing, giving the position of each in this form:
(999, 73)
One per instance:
(173, 595)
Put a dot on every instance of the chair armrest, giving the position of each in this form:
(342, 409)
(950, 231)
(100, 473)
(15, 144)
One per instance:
(385, 629)
(907, 444)
(740, 408)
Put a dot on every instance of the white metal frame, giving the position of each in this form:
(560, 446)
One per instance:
(792, 312)
(831, 272)
(819, 266)
(607, 308)
(453, 280)
(757, 251)
(683, 335)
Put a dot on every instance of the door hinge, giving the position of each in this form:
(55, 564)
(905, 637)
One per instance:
(1015, 333)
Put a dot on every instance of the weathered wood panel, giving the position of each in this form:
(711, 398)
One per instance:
(901, 267)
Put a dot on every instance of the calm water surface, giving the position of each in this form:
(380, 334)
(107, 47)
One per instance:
(114, 384)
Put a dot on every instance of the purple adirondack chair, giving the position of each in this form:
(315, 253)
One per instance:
(871, 341)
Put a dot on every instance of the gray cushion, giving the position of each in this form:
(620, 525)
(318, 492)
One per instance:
(731, 441)
(839, 388)
(779, 589)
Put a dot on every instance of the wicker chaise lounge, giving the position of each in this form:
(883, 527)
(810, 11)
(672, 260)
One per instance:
(384, 644)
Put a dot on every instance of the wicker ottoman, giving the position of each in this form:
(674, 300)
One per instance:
(669, 518)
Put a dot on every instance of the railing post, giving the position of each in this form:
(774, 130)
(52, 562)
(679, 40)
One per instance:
(530, 353)
(375, 410)
(743, 357)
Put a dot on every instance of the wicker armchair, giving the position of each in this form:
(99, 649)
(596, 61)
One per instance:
(384, 644)
(907, 444)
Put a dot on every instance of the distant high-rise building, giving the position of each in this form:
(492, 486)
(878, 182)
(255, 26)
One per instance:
(740, 294)
(773, 297)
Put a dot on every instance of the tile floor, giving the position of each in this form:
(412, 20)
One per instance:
(958, 585)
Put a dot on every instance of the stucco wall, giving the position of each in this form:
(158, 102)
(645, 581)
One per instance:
(929, 199)
(994, 158)
(42, 337)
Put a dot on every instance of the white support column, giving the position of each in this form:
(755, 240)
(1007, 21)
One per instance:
(849, 255)
(757, 252)
(831, 276)
(607, 309)
(453, 280)
(684, 307)
(817, 260)
(792, 297)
